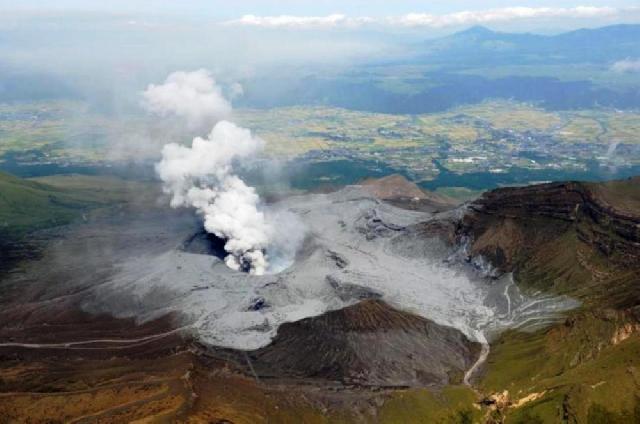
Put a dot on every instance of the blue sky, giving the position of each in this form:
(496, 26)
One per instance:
(230, 9)
(238, 35)
(126, 43)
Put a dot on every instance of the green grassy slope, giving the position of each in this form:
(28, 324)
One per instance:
(453, 404)
(572, 370)
(29, 205)
(587, 368)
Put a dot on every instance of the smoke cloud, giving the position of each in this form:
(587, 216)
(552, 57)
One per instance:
(194, 96)
(202, 176)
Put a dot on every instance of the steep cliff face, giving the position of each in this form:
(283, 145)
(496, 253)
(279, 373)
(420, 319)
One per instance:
(571, 237)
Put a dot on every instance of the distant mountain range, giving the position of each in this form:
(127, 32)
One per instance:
(558, 72)
(480, 44)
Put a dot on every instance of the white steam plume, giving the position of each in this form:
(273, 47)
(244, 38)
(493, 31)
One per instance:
(194, 96)
(202, 176)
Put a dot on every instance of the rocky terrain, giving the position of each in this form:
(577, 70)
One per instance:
(571, 237)
(397, 190)
(377, 346)
(368, 344)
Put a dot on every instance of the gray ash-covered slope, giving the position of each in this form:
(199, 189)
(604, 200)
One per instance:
(369, 343)
(294, 322)
(357, 247)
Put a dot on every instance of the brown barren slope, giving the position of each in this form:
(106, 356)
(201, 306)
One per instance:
(401, 192)
(370, 344)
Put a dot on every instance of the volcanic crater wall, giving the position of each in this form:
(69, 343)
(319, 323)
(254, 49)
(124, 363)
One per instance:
(537, 214)
(571, 233)
(369, 344)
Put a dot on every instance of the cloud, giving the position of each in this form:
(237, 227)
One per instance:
(500, 15)
(289, 21)
(468, 17)
(236, 90)
(627, 65)
(194, 96)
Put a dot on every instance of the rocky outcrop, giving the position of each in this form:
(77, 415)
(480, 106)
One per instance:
(398, 191)
(506, 222)
(368, 344)
(393, 187)
(566, 235)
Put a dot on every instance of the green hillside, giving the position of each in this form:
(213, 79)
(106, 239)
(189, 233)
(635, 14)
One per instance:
(31, 204)
(581, 240)
(28, 205)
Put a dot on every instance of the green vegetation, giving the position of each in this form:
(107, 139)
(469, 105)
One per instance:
(60, 131)
(624, 195)
(454, 404)
(295, 130)
(507, 115)
(504, 140)
(570, 369)
(461, 194)
(28, 126)
(587, 368)
(53, 130)
(493, 137)
(599, 75)
(28, 205)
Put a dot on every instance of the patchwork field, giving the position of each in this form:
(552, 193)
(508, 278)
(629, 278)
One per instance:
(508, 142)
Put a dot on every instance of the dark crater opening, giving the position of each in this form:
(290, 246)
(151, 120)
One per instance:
(205, 243)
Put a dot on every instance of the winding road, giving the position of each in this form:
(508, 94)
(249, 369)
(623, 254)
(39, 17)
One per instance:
(79, 344)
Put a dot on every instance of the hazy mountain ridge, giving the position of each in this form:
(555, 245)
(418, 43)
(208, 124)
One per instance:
(456, 72)
(480, 44)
